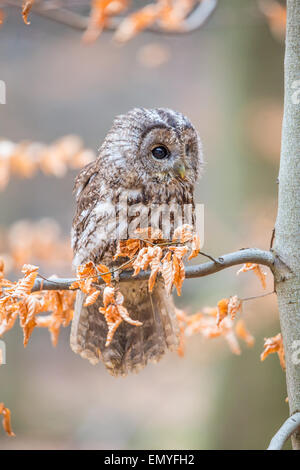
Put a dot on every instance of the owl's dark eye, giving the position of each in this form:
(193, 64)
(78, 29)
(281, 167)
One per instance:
(160, 152)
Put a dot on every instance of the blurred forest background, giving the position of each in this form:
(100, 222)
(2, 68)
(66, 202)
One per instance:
(228, 79)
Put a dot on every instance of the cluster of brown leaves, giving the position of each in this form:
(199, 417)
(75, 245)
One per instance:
(220, 321)
(213, 322)
(274, 345)
(153, 252)
(168, 13)
(113, 308)
(88, 275)
(25, 158)
(5, 413)
(148, 251)
(17, 300)
(38, 242)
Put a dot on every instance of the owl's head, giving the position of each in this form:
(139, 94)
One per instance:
(152, 145)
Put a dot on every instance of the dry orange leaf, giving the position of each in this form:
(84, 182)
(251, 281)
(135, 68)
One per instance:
(127, 248)
(178, 273)
(175, 12)
(108, 295)
(148, 256)
(61, 304)
(26, 7)
(101, 10)
(142, 260)
(222, 310)
(91, 299)
(5, 413)
(137, 21)
(114, 312)
(155, 265)
(178, 267)
(256, 268)
(196, 245)
(7, 319)
(234, 306)
(167, 272)
(28, 309)
(104, 272)
(272, 345)
(229, 307)
(184, 233)
(182, 322)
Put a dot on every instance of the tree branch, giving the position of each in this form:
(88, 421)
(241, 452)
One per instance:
(249, 255)
(197, 18)
(287, 240)
(287, 429)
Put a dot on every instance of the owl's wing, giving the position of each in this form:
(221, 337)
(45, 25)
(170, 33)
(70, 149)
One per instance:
(94, 220)
(83, 178)
(87, 196)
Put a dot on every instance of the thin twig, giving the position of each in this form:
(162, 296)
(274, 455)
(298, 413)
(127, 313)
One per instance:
(287, 429)
(250, 255)
(257, 296)
(272, 238)
(217, 261)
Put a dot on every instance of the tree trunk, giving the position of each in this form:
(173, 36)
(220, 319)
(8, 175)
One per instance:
(287, 241)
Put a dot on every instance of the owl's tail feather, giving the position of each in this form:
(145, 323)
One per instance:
(132, 346)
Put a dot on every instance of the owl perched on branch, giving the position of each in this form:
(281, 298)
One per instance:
(147, 164)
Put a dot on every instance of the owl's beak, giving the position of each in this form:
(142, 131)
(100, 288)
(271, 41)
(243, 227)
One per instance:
(179, 169)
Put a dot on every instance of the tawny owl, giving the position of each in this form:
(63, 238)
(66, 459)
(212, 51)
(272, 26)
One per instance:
(150, 157)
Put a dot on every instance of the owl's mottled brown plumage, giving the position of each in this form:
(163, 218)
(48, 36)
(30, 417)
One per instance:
(126, 168)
